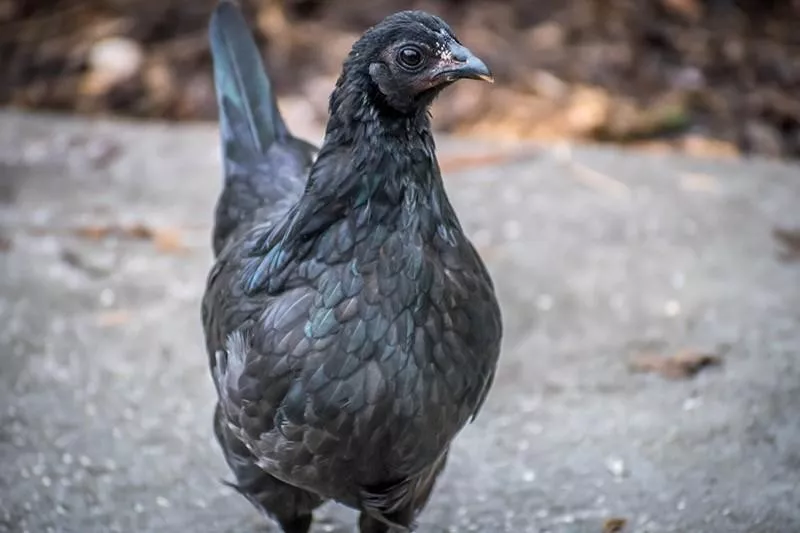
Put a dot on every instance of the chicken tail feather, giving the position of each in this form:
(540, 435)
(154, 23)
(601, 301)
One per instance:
(250, 121)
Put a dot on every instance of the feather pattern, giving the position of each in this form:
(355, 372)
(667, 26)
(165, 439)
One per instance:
(265, 166)
(250, 119)
(352, 328)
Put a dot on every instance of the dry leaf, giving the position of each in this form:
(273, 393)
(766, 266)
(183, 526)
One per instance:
(94, 233)
(5, 243)
(790, 239)
(614, 525)
(164, 239)
(168, 240)
(138, 231)
(692, 10)
(682, 365)
(88, 266)
(113, 318)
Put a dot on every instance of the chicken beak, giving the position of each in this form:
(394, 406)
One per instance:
(459, 63)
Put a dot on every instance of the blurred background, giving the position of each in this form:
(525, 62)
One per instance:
(709, 77)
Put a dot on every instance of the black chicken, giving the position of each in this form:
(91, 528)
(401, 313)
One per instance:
(352, 328)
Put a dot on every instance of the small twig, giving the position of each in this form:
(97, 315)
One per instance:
(589, 176)
(597, 180)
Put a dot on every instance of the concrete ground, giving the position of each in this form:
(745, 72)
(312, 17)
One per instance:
(598, 254)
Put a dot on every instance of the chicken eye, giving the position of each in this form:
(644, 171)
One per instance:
(410, 57)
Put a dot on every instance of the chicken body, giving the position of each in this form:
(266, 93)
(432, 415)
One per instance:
(352, 328)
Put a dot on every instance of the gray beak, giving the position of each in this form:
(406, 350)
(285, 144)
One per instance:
(459, 63)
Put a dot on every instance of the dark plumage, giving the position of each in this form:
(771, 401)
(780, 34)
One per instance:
(352, 328)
